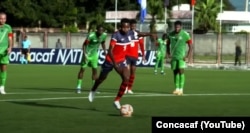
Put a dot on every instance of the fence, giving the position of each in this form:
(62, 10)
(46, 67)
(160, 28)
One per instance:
(210, 48)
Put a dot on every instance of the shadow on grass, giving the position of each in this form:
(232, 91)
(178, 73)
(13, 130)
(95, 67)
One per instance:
(56, 89)
(44, 105)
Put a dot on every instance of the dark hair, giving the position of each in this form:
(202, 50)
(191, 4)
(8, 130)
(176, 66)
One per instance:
(125, 20)
(99, 26)
(133, 21)
(164, 35)
(2, 13)
(178, 23)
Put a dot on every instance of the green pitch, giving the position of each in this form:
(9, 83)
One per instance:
(41, 99)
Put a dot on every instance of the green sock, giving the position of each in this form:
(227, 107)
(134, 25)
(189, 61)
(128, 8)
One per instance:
(79, 83)
(162, 65)
(156, 64)
(177, 81)
(182, 80)
(3, 76)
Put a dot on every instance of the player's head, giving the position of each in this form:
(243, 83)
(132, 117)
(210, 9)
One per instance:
(25, 37)
(125, 25)
(2, 18)
(133, 24)
(177, 26)
(164, 36)
(99, 29)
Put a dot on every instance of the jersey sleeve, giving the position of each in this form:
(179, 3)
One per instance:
(141, 43)
(188, 38)
(89, 38)
(10, 33)
(113, 40)
(158, 42)
(104, 36)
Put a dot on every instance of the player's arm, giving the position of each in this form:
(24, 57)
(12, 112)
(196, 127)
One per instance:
(144, 34)
(84, 47)
(10, 41)
(29, 47)
(103, 45)
(189, 42)
(110, 52)
(141, 43)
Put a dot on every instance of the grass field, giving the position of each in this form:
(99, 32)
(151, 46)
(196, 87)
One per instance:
(41, 99)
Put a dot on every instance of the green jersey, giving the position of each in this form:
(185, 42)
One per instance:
(178, 44)
(94, 43)
(161, 46)
(5, 30)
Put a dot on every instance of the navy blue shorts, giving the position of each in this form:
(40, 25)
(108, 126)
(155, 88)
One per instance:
(107, 67)
(131, 60)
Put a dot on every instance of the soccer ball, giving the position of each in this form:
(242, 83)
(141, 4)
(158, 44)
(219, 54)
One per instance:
(126, 110)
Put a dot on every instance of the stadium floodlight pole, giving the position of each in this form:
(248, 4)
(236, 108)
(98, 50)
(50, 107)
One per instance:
(219, 37)
(192, 31)
(115, 15)
(221, 5)
(165, 22)
(246, 6)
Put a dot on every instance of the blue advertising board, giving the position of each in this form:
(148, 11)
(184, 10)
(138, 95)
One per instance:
(69, 57)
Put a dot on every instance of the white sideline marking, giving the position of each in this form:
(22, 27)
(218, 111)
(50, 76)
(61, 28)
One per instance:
(135, 95)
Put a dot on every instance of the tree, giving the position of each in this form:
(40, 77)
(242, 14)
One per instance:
(156, 10)
(206, 13)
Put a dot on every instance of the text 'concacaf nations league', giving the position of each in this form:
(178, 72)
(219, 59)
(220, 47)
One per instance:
(70, 57)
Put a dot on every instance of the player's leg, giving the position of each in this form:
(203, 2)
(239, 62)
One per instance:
(22, 59)
(94, 65)
(125, 79)
(182, 65)
(235, 60)
(26, 56)
(174, 64)
(83, 65)
(157, 62)
(132, 70)
(131, 78)
(239, 59)
(4, 61)
(162, 65)
(105, 70)
(79, 80)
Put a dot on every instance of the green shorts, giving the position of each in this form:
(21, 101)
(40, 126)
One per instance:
(160, 56)
(178, 64)
(91, 62)
(4, 59)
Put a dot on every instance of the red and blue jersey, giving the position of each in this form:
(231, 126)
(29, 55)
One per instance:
(132, 50)
(120, 42)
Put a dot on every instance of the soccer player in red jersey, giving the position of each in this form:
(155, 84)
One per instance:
(132, 54)
(116, 58)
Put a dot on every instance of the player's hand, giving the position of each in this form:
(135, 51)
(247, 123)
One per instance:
(154, 36)
(9, 50)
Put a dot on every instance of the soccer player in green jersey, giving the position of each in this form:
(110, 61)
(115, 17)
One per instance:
(176, 50)
(161, 53)
(90, 54)
(6, 43)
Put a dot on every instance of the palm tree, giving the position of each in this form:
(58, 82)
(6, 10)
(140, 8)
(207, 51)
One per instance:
(156, 9)
(206, 13)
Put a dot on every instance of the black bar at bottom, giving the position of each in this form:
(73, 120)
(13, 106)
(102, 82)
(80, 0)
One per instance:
(201, 124)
